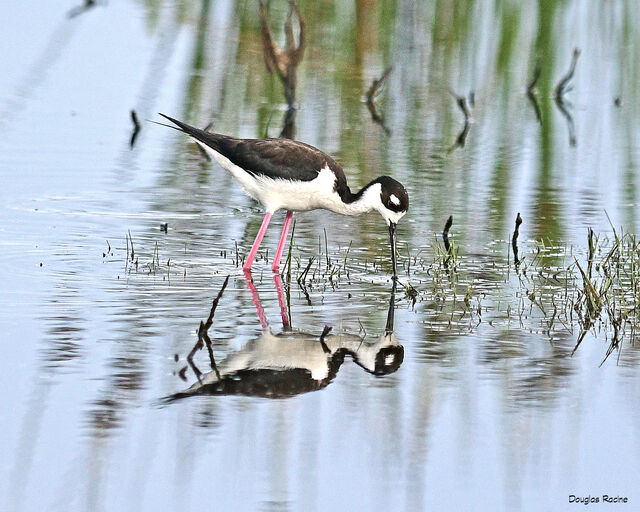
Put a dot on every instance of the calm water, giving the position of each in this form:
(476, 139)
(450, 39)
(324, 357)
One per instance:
(465, 407)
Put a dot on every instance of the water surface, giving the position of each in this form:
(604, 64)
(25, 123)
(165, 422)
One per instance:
(488, 410)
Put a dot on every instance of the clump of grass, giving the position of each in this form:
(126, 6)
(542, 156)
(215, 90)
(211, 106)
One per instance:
(136, 261)
(609, 297)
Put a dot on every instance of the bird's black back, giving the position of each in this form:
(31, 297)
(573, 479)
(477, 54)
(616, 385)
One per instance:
(273, 158)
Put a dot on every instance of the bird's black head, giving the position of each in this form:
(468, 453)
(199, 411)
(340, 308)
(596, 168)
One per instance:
(394, 203)
(388, 359)
(394, 199)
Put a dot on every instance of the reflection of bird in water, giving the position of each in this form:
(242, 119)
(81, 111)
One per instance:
(293, 362)
(290, 175)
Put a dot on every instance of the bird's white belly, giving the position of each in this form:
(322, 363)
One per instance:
(298, 195)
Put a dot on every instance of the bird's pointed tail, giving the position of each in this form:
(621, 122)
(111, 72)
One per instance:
(180, 125)
(202, 137)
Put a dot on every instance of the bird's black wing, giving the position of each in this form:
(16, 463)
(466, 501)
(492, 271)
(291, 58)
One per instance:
(274, 158)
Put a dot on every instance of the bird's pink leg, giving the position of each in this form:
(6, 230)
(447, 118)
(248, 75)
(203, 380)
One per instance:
(283, 239)
(256, 243)
(255, 299)
(281, 301)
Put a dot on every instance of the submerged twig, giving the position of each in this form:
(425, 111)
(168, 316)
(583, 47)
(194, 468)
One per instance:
(536, 75)
(207, 325)
(377, 117)
(563, 84)
(372, 94)
(531, 91)
(563, 87)
(514, 240)
(564, 110)
(445, 233)
(377, 84)
(199, 344)
(461, 101)
(133, 252)
(136, 128)
(560, 90)
(203, 337)
(450, 253)
(536, 106)
(461, 139)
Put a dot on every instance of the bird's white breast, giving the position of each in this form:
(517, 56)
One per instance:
(299, 195)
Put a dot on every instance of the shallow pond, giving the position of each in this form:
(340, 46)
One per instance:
(475, 401)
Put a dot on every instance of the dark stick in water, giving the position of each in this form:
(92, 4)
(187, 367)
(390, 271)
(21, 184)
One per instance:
(203, 338)
(136, 128)
(205, 328)
(562, 106)
(461, 101)
(536, 75)
(531, 91)
(199, 344)
(372, 93)
(215, 304)
(133, 252)
(445, 233)
(447, 244)
(514, 239)
(562, 86)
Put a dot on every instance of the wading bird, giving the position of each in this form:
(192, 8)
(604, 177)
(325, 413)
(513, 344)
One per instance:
(291, 175)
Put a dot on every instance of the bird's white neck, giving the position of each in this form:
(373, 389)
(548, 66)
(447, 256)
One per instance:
(365, 202)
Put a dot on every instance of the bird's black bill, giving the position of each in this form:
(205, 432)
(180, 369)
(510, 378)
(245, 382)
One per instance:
(392, 308)
(392, 238)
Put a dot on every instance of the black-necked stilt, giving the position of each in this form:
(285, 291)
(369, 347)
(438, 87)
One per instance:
(291, 175)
